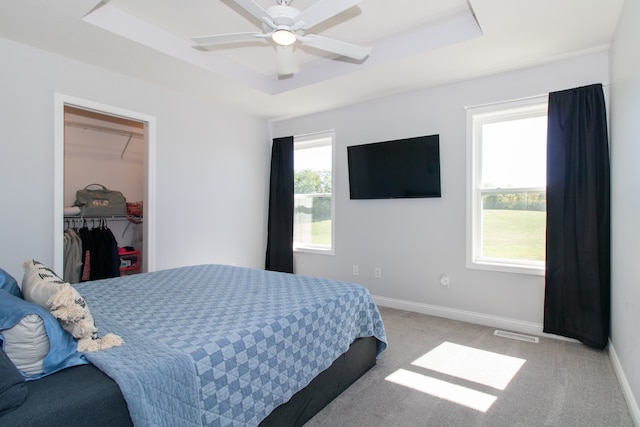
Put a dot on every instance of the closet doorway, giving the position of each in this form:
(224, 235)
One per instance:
(101, 144)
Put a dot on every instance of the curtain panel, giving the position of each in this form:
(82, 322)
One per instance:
(578, 264)
(280, 217)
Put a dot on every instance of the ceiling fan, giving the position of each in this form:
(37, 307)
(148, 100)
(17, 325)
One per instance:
(285, 25)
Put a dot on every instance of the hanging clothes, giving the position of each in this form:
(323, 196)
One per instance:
(72, 256)
(87, 248)
(99, 255)
(107, 257)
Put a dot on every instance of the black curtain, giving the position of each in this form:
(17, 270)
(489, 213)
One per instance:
(577, 292)
(280, 222)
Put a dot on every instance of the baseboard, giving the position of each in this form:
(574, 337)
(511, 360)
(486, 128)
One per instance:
(632, 404)
(509, 324)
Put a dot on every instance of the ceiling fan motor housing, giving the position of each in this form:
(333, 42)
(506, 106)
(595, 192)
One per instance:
(283, 15)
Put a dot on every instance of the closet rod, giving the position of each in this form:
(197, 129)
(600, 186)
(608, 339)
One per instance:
(96, 218)
(105, 129)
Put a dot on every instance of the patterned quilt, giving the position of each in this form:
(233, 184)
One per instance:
(223, 345)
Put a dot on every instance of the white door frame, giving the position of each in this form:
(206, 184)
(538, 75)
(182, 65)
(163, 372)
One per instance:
(149, 230)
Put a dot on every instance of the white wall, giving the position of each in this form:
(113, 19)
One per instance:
(413, 241)
(625, 210)
(211, 163)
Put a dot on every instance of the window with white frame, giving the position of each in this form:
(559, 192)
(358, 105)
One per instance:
(313, 216)
(507, 186)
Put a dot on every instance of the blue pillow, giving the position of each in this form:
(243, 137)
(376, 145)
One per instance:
(9, 284)
(62, 346)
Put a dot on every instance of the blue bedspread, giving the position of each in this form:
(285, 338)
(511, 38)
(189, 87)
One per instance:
(222, 345)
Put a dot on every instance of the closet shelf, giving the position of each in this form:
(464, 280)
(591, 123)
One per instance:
(106, 129)
(112, 130)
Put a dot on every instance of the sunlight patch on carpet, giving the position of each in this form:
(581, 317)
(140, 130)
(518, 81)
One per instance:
(442, 389)
(480, 366)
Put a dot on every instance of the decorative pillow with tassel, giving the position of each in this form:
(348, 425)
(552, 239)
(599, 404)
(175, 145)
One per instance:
(42, 286)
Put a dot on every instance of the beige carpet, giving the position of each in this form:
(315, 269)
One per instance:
(439, 372)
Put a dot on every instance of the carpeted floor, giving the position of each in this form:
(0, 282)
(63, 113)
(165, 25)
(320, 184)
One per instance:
(482, 380)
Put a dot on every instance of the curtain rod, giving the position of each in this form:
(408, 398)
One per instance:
(307, 135)
(525, 98)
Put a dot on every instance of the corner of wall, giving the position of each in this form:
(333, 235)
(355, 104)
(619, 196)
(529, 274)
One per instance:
(634, 410)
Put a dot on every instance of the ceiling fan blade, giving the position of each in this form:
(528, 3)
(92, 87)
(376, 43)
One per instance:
(253, 8)
(322, 10)
(228, 38)
(336, 46)
(286, 62)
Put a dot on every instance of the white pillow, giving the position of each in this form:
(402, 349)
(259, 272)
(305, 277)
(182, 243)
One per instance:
(27, 330)
(43, 287)
(27, 344)
(39, 283)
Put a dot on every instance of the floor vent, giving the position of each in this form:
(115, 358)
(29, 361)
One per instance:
(515, 336)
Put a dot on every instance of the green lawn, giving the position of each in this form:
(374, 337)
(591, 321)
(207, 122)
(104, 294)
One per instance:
(514, 234)
(321, 232)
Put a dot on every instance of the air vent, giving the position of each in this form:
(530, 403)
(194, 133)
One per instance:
(515, 336)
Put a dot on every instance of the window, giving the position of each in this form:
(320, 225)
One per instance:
(313, 222)
(507, 186)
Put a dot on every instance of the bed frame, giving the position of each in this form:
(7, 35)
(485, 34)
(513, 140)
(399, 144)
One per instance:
(343, 372)
(84, 396)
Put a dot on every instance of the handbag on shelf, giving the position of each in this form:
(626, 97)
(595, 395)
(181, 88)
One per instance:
(99, 201)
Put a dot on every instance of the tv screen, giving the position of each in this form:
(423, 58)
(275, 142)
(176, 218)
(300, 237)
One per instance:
(403, 168)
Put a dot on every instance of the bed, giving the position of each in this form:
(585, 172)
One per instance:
(223, 345)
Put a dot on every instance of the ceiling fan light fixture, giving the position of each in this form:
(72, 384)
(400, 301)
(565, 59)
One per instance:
(283, 37)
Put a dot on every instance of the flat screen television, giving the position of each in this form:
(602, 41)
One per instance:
(398, 169)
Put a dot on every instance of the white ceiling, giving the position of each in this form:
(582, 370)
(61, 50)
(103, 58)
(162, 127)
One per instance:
(415, 44)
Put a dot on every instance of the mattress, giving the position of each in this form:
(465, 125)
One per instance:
(223, 345)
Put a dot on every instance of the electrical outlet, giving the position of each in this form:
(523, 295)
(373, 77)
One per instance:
(377, 273)
(445, 280)
(356, 270)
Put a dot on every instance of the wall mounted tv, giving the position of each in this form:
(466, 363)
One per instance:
(403, 168)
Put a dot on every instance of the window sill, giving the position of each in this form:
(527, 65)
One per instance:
(313, 250)
(507, 268)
